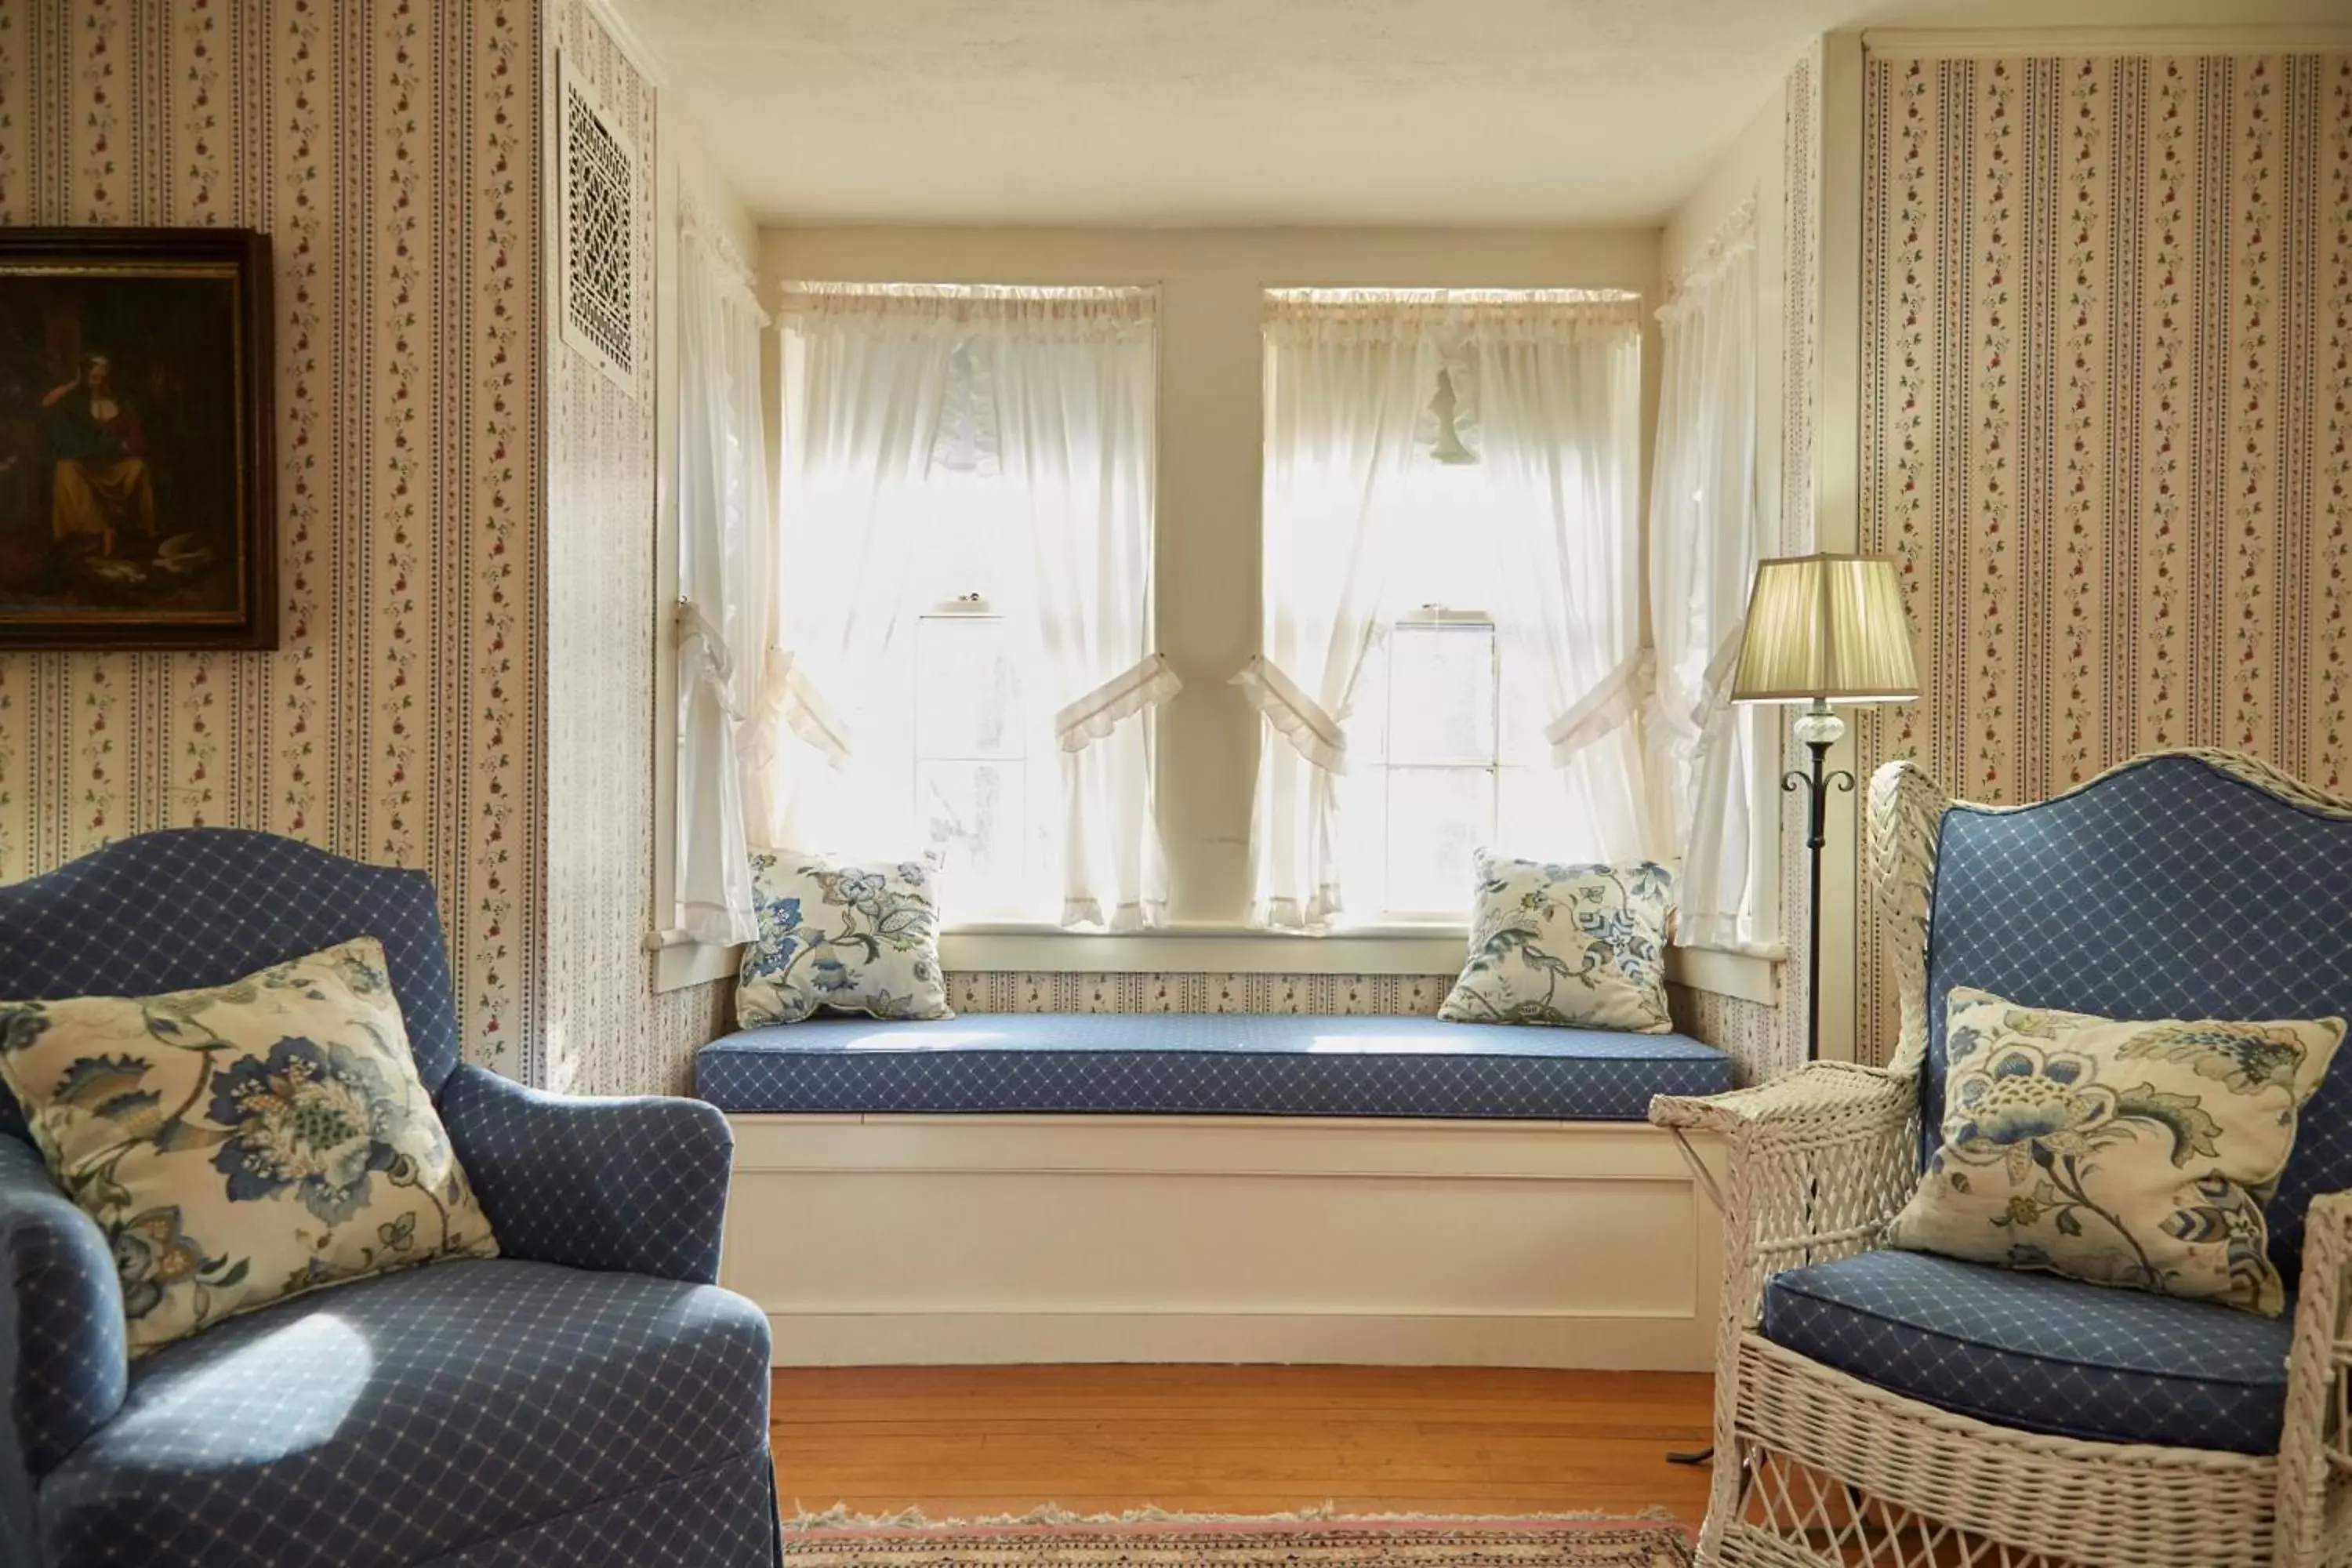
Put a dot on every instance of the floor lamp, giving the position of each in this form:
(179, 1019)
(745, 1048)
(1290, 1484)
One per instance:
(1823, 630)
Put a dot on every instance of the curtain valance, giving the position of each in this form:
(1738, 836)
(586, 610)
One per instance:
(960, 311)
(1309, 316)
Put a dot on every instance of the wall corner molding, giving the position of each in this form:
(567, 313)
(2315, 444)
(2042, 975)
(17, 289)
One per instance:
(1957, 43)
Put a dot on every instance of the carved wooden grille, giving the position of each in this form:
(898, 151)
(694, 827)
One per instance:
(599, 235)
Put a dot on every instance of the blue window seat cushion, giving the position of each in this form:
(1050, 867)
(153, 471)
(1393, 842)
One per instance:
(1204, 1064)
(2041, 1353)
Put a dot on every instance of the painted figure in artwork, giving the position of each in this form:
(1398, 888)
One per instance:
(101, 488)
(135, 401)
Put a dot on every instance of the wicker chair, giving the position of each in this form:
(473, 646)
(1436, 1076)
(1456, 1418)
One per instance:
(1879, 1408)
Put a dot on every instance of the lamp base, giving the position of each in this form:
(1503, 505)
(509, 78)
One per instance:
(1820, 729)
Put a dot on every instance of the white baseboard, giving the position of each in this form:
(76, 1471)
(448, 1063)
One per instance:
(968, 1339)
(914, 1239)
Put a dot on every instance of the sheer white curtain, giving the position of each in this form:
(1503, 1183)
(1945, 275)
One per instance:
(931, 420)
(1558, 392)
(862, 409)
(1707, 755)
(1345, 390)
(1368, 394)
(725, 604)
(1075, 380)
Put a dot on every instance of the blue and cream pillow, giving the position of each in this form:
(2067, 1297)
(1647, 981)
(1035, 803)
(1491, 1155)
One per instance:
(2135, 1154)
(243, 1143)
(1579, 947)
(848, 937)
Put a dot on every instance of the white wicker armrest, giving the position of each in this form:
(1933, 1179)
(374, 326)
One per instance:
(1818, 1160)
(1823, 1095)
(2315, 1487)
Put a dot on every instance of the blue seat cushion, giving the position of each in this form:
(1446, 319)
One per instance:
(401, 1418)
(1211, 1064)
(2041, 1353)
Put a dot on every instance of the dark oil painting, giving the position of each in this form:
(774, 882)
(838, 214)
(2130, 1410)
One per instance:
(135, 497)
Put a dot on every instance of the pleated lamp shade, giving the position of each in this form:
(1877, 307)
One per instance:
(1826, 627)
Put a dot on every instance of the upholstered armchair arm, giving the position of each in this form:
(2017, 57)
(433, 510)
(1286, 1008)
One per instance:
(635, 1186)
(67, 1358)
(2315, 1506)
(1818, 1160)
(64, 1360)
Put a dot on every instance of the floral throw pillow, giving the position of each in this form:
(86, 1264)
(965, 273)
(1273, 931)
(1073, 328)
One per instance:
(243, 1143)
(1581, 947)
(2137, 1154)
(861, 938)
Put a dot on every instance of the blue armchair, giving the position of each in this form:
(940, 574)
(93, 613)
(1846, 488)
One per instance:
(590, 1396)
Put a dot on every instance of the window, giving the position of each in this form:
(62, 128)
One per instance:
(1441, 773)
(1451, 654)
(965, 545)
(972, 757)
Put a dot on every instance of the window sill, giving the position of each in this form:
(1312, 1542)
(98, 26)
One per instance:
(1229, 950)
(1749, 975)
(679, 961)
(1204, 949)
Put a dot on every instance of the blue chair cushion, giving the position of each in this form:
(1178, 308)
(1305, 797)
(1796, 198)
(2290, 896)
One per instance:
(403, 1417)
(2167, 889)
(2038, 1352)
(1209, 1064)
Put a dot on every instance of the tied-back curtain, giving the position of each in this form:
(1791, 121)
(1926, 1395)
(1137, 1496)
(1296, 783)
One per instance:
(725, 587)
(1367, 393)
(1043, 405)
(1344, 399)
(1707, 755)
(862, 419)
(1557, 395)
(1074, 385)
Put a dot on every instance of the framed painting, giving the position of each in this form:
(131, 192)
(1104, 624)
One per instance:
(135, 455)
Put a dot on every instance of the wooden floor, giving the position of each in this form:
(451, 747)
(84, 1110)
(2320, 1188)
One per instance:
(961, 1441)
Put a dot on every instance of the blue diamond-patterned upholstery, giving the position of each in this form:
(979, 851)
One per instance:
(1220, 1064)
(2168, 889)
(588, 1399)
(638, 1185)
(723, 1518)
(72, 1363)
(416, 1415)
(2041, 1353)
(204, 906)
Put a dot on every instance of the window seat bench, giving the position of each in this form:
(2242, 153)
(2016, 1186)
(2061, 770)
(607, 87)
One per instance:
(1226, 1188)
(1204, 1064)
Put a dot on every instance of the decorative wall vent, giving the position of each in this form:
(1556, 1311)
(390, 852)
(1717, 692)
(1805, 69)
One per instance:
(599, 230)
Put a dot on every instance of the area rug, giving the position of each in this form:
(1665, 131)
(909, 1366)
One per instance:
(1150, 1538)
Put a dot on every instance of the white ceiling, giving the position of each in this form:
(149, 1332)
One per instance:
(1252, 111)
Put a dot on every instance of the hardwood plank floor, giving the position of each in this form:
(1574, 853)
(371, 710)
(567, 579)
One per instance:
(961, 1441)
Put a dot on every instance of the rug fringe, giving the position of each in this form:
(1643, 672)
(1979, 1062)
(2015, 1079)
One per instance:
(839, 1517)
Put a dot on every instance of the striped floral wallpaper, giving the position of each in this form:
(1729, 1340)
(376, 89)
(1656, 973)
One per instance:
(608, 1031)
(1063, 991)
(391, 150)
(2107, 407)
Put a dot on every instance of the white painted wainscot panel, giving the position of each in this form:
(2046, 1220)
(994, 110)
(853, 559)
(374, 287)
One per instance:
(947, 1240)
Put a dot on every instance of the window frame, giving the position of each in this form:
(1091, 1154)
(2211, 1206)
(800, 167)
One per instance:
(1440, 619)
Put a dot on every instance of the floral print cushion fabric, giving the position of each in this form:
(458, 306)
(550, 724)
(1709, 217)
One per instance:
(2136, 1155)
(243, 1143)
(851, 938)
(1578, 946)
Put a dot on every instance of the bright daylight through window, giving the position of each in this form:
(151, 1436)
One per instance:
(965, 537)
(1451, 620)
